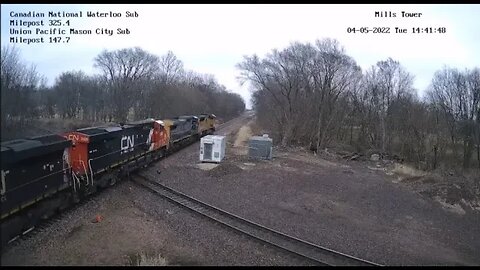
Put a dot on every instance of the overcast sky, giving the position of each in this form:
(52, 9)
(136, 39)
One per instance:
(213, 38)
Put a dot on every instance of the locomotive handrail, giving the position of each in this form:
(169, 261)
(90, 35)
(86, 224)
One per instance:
(75, 178)
(85, 168)
(90, 168)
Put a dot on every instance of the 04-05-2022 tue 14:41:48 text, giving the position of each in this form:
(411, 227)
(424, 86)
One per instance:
(396, 30)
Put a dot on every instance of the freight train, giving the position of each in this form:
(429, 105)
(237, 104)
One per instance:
(41, 176)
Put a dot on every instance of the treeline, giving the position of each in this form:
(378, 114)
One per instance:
(132, 84)
(317, 96)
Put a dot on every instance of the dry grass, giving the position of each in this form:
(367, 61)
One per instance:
(312, 159)
(243, 135)
(256, 129)
(239, 141)
(408, 171)
(455, 192)
(144, 259)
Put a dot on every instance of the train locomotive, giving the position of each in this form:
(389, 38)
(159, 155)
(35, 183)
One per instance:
(43, 175)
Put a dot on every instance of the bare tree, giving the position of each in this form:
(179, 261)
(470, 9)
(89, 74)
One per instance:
(171, 68)
(473, 84)
(18, 83)
(385, 83)
(334, 75)
(457, 94)
(69, 87)
(302, 80)
(123, 70)
(133, 84)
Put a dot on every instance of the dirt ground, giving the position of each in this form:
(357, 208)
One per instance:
(376, 211)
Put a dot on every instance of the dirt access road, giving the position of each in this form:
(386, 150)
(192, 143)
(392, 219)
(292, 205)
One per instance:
(341, 205)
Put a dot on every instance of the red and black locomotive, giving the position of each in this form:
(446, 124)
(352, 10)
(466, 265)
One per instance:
(43, 175)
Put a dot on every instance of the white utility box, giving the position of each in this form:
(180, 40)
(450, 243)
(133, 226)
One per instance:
(212, 148)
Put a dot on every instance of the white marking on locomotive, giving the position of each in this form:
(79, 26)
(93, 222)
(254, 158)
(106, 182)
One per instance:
(66, 164)
(127, 143)
(150, 141)
(4, 187)
(49, 166)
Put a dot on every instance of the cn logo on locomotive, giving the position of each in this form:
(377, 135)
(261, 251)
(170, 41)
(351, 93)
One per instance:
(73, 137)
(127, 143)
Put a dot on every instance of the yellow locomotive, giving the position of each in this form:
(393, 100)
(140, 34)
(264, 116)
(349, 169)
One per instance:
(206, 124)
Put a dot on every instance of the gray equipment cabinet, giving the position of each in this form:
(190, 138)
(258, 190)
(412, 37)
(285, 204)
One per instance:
(260, 147)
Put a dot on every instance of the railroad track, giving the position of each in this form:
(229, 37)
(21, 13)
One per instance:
(224, 128)
(308, 251)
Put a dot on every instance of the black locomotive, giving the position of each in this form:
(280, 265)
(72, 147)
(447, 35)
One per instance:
(43, 175)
